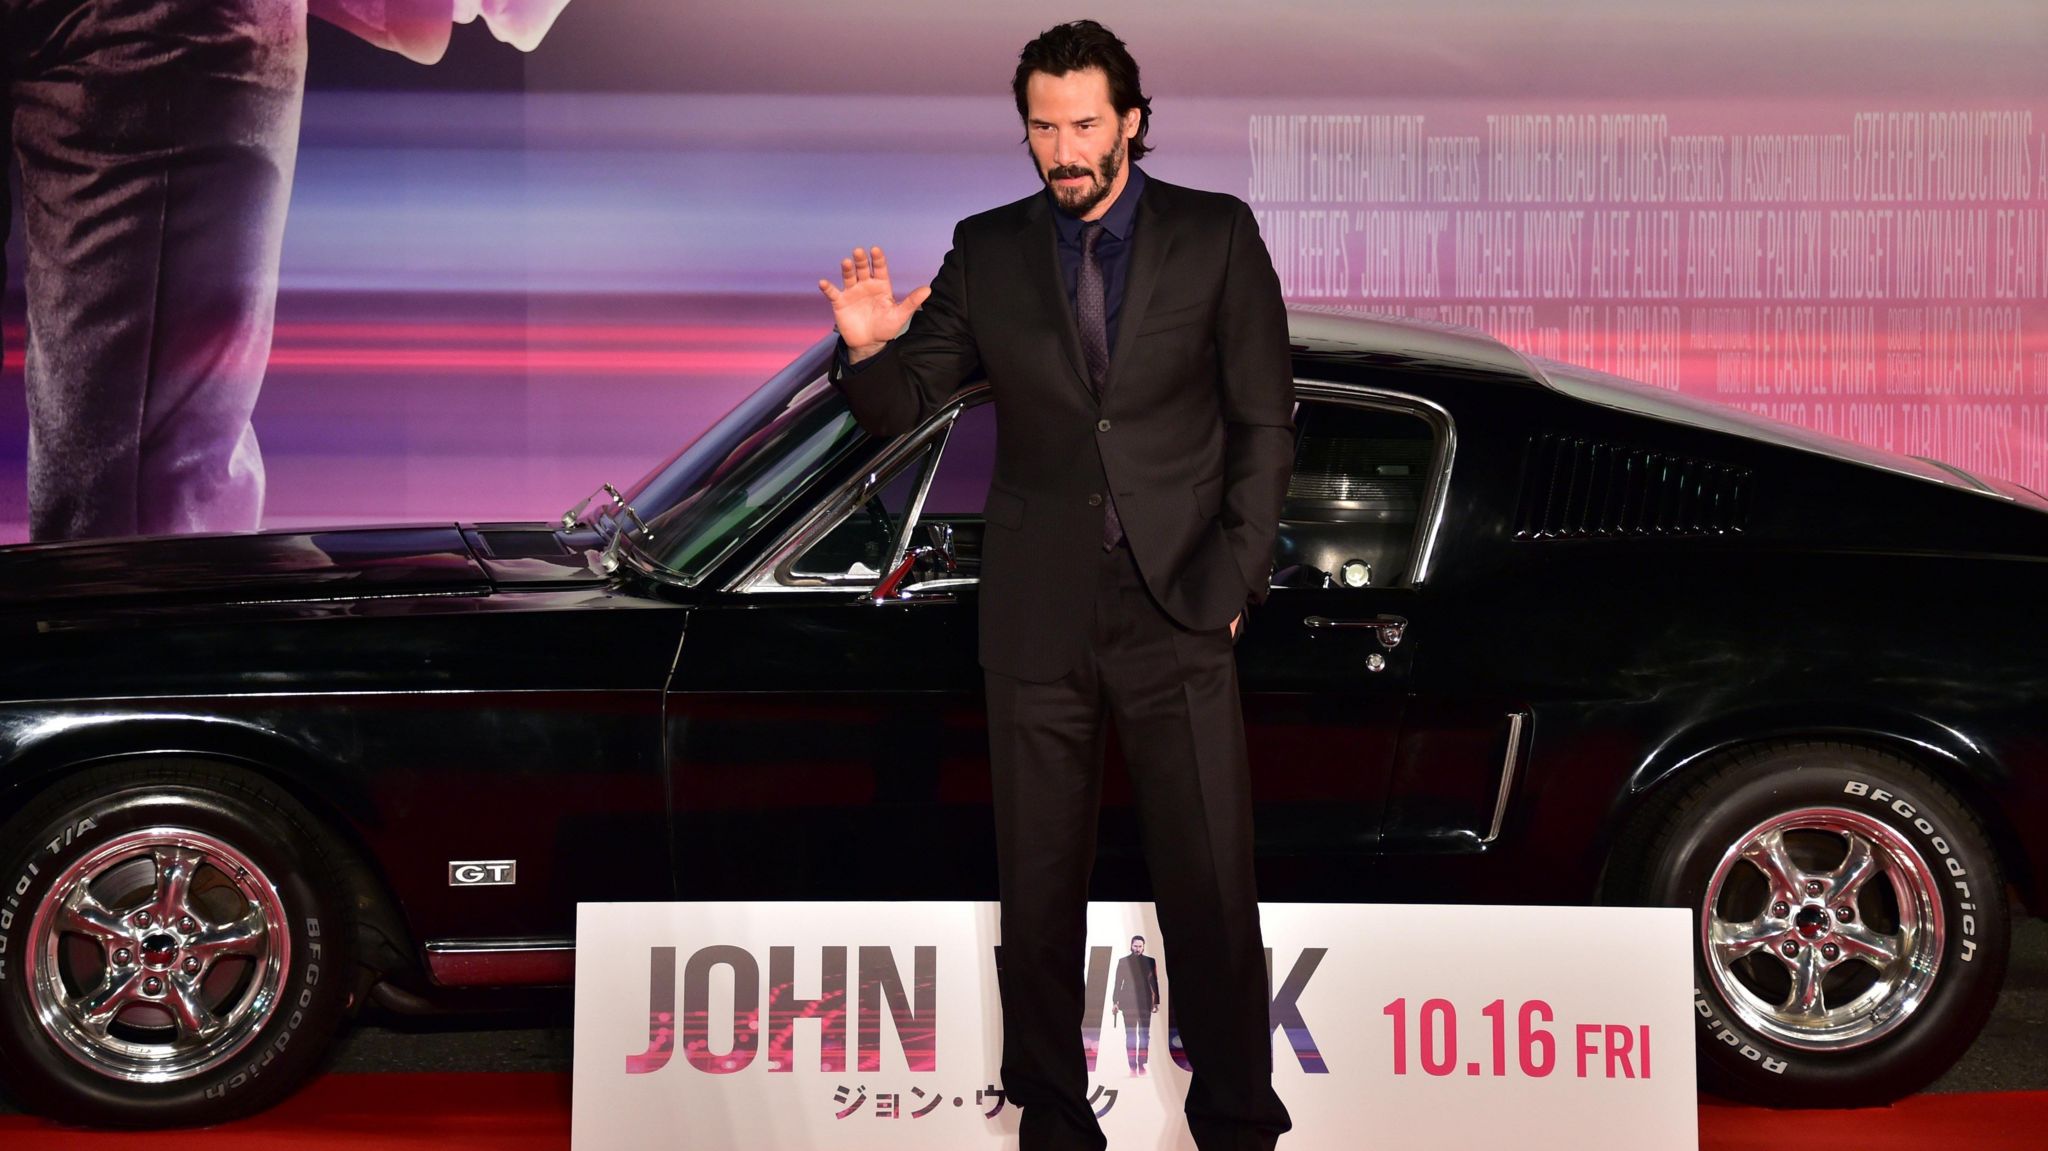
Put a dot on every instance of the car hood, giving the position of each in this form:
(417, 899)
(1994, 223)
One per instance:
(248, 566)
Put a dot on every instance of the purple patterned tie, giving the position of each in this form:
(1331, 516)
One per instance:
(1089, 302)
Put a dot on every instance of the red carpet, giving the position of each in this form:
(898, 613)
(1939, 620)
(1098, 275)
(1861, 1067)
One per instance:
(2013, 1120)
(475, 1112)
(531, 1113)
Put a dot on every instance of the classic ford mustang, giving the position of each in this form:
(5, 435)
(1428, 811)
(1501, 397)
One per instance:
(1535, 635)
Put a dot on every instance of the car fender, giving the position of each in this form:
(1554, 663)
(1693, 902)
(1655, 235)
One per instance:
(1960, 760)
(37, 747)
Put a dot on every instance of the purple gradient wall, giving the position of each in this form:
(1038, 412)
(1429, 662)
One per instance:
(510, 279)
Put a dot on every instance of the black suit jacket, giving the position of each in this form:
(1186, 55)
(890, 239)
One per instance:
(1137, 985)
(1194, 433)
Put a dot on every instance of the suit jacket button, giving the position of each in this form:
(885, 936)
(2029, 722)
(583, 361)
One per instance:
(1094, 499)
(1102, 425)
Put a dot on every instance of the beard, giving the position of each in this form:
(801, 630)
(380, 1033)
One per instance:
(1081, 201)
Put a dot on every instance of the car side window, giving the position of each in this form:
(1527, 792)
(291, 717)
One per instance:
(1356, 504)
(959, 489)
(1355, 514)
(859, 549)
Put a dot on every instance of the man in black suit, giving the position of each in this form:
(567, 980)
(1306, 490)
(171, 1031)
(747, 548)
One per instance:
(1135, 342)
(1136, 997)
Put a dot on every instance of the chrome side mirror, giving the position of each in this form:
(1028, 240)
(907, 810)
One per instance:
(607, 562)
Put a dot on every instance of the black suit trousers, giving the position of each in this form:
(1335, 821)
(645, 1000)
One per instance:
(1137, 1037)
(1172, 692)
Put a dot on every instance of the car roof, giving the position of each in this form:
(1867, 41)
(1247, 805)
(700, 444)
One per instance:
(1337, 336)
(1325, 335)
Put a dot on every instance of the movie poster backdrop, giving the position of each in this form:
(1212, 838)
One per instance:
(507, 276)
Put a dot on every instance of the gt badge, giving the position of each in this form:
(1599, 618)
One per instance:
(483, 872)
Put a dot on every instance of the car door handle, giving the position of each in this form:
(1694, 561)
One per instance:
(1387, 628)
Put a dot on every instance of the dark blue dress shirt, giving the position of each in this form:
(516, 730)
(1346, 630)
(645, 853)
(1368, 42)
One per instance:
(1112, 251)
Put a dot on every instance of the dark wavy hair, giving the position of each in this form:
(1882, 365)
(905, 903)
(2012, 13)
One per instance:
(1080, 44)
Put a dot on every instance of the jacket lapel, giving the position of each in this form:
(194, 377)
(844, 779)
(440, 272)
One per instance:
(1152, 236)
(1042, 265)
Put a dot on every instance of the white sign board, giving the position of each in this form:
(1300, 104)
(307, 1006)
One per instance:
(794, 1026)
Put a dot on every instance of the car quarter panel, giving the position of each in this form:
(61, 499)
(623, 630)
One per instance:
(1853, 603)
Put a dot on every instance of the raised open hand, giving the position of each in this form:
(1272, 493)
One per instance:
(864, 309)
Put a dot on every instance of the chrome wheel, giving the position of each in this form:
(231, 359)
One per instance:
(158, 956)
(1822, 928)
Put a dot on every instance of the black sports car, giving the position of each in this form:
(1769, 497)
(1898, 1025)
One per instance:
(1535, 635)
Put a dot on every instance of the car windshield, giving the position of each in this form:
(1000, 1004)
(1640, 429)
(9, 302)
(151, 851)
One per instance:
(745, 468)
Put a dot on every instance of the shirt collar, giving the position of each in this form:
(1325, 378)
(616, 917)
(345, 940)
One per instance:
(1116, 221)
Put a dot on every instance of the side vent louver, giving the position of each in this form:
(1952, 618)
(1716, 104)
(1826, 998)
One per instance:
(1575, 488)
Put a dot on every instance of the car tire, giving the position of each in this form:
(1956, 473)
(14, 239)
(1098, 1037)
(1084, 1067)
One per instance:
(174, 946)
(1851, 929)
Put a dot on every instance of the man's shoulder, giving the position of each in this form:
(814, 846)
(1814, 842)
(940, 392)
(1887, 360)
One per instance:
(1004, 218)
(1180, 197)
